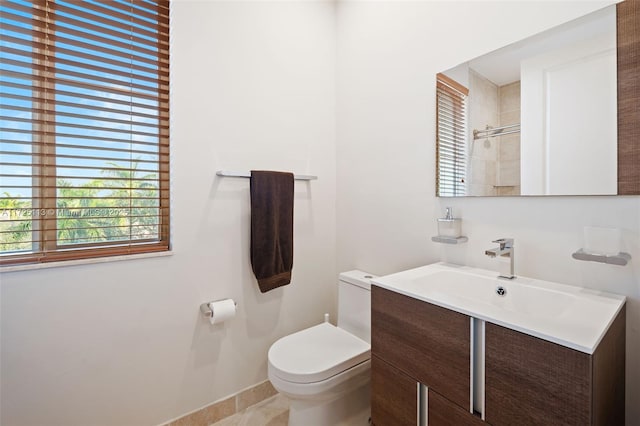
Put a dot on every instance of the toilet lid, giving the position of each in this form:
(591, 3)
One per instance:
(316, 353)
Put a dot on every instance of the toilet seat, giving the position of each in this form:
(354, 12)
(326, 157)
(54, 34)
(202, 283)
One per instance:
(316, 354)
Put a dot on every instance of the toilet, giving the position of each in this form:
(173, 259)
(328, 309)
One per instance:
(325, 370)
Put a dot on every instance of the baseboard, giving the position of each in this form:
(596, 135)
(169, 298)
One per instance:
(226, 407)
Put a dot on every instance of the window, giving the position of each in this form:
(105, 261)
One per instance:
(451, 137)
(84, 129)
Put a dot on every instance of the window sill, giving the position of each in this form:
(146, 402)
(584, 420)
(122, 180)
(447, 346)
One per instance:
(106, 259)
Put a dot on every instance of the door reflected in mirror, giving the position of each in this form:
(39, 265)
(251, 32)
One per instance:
(538, 117)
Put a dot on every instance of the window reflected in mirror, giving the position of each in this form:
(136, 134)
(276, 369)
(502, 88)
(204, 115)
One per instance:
(451, 174)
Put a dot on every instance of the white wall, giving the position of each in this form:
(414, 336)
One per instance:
(388, 56)
(123, 343)
(253, 87)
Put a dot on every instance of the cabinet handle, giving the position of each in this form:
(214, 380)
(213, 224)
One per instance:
(472, 358)
(477, 380)
(418, 402)
(422, 394)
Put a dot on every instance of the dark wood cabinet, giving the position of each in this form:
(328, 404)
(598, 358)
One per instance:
(535, 382)
(426, 342)
(396, 399)
(394, 395)
(527, 380)
(416, 343)
(443, 412)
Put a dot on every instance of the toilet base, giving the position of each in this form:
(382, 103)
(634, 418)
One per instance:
(350, 409)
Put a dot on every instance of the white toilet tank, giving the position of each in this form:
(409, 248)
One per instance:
(354, 303)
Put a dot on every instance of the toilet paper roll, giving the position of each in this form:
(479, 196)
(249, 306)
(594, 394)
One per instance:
(222, 310)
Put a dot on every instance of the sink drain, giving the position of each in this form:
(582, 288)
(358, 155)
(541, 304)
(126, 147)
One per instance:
(501, 291)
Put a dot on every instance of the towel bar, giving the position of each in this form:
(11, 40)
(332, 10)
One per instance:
(224, 173)
(620, 259)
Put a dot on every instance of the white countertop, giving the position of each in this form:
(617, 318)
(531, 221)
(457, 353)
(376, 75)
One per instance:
(571, 316)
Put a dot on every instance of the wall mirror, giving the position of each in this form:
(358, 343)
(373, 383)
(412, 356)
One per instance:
(538, 117)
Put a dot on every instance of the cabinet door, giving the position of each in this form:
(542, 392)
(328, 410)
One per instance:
(534, 382)
(427, 342)
(445, 413)
(394, 396)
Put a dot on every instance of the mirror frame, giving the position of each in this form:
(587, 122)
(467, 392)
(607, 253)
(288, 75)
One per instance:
(628, 50)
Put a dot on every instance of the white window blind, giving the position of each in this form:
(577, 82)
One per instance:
(84, 129)
(451, 137)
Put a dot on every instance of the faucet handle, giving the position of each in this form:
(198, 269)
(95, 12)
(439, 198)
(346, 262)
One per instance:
(504, 242)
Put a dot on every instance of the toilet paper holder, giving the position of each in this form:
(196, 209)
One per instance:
(206, 309)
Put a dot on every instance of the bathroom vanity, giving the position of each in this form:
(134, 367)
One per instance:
(447, 349)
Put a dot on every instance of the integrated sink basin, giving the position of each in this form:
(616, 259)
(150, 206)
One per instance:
(570, 316)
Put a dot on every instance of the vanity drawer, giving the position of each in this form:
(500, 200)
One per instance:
(427, 342)
(535, 382)
(394, 396)
(445, 413)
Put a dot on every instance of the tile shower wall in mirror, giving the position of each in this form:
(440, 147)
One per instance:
(494, 167)
(541, 114)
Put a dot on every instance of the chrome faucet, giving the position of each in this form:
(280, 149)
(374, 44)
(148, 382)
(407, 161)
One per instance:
(506, 249)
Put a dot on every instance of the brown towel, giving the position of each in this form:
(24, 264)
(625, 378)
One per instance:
(271, 228)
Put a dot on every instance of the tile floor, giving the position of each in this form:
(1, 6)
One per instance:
(273, 411)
